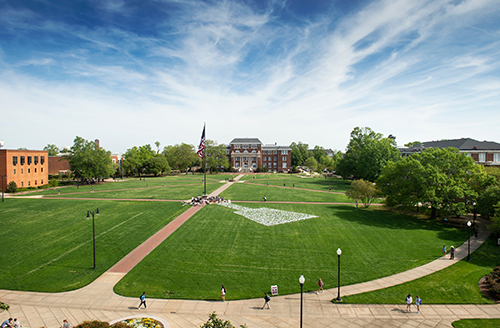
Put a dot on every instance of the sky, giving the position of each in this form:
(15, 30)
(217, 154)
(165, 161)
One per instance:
(131, 73)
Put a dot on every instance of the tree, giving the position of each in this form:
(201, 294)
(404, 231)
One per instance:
(132, 161)
(52, 149)
(494, 227)
(216, 155)
(87, 160)
(11, 187)
(487, 200)
(412, 143)
(311, 163)
(156, 165)
(318, 152)
(157, 143)
(367, 153)
(440, 178)
(181, 157)
(299, 153)
(363, 190)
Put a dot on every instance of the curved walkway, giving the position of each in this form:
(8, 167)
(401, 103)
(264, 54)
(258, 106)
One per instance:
(98, 301)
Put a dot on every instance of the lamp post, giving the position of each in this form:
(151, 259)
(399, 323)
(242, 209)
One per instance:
(339, 252)
(93, 213)
(3, 176)
(474, 209)
(302, 280)
(468, 239)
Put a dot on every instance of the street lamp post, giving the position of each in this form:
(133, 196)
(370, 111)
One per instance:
(474, 208)
(93, 213)
(3, 176)
(339, 252)
(468, 239)
(302, 280)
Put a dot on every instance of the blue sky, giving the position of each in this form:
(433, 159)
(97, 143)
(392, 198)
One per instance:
(135, 72)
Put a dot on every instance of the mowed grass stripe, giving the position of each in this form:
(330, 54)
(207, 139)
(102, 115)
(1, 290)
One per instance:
(47, 244)
(218, 247)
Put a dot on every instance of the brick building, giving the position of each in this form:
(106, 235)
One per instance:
(486, 153)
(58, 164)
(247, 154)
(27, 168)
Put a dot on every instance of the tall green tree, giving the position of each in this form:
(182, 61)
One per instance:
(299, 153)
(367, 153)
(362, 190)
(181, 157)
(311, 163)
(87, 160)
(318, 152)
(156, 165)
(216, 155)
(52, 149)
(440, 178)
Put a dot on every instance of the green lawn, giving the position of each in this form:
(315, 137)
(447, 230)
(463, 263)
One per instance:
(47, 244)
(218, 247)
(243, 191)
(178, 192)
(305, 182)
(477, 323)
(457, 284)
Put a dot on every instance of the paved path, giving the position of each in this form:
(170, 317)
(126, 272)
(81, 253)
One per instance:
(98, 301)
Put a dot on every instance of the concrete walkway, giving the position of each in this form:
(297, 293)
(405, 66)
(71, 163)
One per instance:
(98, 301)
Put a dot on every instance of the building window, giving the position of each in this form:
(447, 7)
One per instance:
(29, 183)
(245, 151)
(35, 182)
(245, 159)
(14, 160)
(42, 160)
(275, 164)
(284, 165)
(254, 165)
(264, 152)
(254, 146)
(237, 146)
(264, 165)
(29, 160)
(35, 169)
(21, 171)
(237, 158)
(275, 151)
(284, 152)
(245, 147)
(41, 181)
(482, 157)
(283, 159)
(14, 171)
(275, 158)
(254, 158)
(41, 169)
(237, 164)
(237, 151)
(35, 159)
(22, 183)
(29, 171)
(23, 160)
(496, 157)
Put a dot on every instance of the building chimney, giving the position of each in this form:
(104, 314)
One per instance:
(97, 143)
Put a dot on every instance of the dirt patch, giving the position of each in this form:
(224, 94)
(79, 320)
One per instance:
(485, 289)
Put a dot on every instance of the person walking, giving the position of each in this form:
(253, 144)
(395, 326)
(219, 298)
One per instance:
(452, 253)
(66, 324)
(409, 300)
(143, 301)
(267, 298)
(223, 293)
(265, 199)
(418, 302)
(320, 284)
(444, 250)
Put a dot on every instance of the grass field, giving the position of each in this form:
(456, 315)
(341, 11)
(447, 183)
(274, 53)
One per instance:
(47, 244)
(477, 323)
(218, 247)
(243, 191)
(457, 284)
(305, 182)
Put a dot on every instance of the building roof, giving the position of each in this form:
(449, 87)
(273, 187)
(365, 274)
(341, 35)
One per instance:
(463, 144)
(246, 141)
(276, 147)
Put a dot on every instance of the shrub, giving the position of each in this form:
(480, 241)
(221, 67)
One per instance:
(101, 324)
(493, 280)
(214, 322)
(11, 187)
(53, 182)
(4, 307)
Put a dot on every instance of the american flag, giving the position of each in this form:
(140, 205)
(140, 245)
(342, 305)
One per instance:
(202, 144)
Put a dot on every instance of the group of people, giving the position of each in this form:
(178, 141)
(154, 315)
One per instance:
(9, 323)
(452, 252)
(409, 301)
(195, 201)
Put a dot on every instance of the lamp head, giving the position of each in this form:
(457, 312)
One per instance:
(339, 251)
(302, 280)
(468, 223)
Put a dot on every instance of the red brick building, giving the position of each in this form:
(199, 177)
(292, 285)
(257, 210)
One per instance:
(27, 168)
(58, 165)
(247, 154)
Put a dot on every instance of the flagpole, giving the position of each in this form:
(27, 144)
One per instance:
(205, 163)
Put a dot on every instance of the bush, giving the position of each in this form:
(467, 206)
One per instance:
(53, 182)
(214, 322)
(11, 187)
(4, 307)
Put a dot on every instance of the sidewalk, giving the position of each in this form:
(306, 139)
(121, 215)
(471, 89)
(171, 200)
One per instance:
(98, 301)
